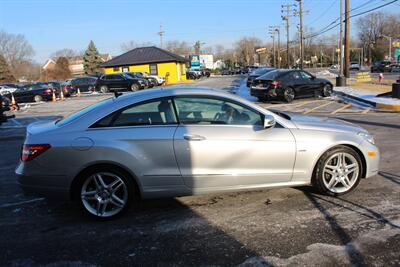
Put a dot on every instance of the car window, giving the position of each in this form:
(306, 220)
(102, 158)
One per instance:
(295, 75)
(305, 75)
(157, 112)
(201, 110)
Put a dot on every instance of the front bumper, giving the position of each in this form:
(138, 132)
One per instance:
(372, 157)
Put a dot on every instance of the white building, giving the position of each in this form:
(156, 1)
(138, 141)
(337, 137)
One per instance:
(206, 61)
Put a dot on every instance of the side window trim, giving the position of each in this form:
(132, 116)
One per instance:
(116, 113)
(215, 98)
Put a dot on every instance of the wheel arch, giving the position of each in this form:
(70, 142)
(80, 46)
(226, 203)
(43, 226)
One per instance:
(351, 146)
(112, 165)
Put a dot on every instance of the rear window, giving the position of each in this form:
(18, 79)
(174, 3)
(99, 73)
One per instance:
(272, 75)
(260, 71)
(82, 112)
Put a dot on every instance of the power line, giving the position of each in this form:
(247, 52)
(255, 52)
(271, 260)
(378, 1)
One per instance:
(328, 28)
(323, 13)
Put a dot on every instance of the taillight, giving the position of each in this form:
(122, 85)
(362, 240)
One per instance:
(48, 91)
(276, 83)
(29, 152)
(67, 86)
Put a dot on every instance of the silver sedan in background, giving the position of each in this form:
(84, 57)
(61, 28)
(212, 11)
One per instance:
(176, 142)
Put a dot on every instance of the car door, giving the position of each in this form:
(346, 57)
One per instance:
(144, 131)
(221, 143)
(310, 84)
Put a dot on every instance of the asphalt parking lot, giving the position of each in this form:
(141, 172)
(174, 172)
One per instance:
(279, 227)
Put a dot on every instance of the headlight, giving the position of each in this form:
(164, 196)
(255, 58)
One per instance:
(367, 137)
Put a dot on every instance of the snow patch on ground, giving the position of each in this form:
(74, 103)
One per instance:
(320, 254)
(367, 95)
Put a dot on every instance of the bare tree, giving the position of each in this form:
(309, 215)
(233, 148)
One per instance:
(125, 47)
(66, 52)
(179, 48)
(245, 48)
(16, 50)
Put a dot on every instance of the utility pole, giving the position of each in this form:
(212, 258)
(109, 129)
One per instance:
(301, 33)
(347, 40)
(272, 31)
(341, 40)
(287, 9)
(161, 33)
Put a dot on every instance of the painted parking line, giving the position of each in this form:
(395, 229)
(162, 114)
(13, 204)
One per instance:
(16, 122)
(8, 205)
(341, 109)
(317, 107)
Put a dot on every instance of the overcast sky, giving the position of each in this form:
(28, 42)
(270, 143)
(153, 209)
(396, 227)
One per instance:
(50, 25)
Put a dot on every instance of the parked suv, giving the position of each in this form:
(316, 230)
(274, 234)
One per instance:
(381, 66)
(121, 81)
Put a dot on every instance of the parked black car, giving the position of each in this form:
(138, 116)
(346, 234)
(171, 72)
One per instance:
(257, 73)
(150, 81)
(120, 81)
(289, 84)
(4, 106)
(84, 84)
(35, 92)
(381, 66)
(192, 75)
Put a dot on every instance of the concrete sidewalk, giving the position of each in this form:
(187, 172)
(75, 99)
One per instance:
(366, 97)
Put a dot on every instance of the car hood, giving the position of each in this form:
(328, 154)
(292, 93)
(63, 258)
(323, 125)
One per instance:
(324, 124)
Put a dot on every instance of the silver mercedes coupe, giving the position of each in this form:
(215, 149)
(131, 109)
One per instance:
(177, 142)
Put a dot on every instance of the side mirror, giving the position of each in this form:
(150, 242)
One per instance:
(269, 121)
(313, 77)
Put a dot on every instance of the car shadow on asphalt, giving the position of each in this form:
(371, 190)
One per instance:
(345, 239)
(391, 177)
(156, 232)
(355, 256)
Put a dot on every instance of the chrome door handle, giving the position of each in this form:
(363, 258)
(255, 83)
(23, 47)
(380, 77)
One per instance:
(193, 137)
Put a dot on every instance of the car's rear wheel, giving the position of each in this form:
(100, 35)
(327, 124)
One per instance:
(288, 94)
(327, 91)
(104, 89)
(338, 171)
(105, 194)
(262, 99)
(134, 87)
(38, 98)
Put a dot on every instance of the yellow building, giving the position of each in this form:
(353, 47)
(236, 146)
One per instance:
(153, 60)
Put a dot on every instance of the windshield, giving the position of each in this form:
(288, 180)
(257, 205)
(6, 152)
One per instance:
(83, 112)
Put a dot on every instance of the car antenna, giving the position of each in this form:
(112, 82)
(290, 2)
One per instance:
(117, 94)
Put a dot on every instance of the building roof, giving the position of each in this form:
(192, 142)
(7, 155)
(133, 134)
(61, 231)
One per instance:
(143, 55)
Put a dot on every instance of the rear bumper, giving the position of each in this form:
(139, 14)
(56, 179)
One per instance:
(40, 190)
(54, 187)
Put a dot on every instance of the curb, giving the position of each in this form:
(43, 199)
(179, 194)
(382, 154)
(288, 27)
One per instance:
(389, 107)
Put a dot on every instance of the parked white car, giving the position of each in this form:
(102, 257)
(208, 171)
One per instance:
(4, 89)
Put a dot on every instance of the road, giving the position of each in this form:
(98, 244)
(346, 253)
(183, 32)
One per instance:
(290, 226)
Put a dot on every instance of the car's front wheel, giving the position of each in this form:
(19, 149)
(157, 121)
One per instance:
(327, 90)
(105, 194)
(338, 171)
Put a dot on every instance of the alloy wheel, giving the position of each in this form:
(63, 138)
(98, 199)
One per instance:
(289, 94)
(104, 89)
(340, 172)
(104, 194)
(327, 90)
(134, 87)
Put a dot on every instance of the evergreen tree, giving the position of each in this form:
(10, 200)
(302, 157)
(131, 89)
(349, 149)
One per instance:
(5, 73)
(92, 60)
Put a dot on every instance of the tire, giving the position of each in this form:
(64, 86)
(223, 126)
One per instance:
(330, 176)
(327, 90)
(38, 98)
(104, 89)
(288, 94)
(135, 87)
(105, 193)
